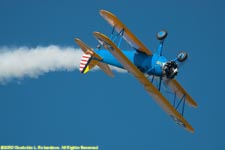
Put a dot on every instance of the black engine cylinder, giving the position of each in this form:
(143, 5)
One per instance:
(170, 69)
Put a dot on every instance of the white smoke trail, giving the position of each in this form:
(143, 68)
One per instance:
(33, 62)
(17, 63)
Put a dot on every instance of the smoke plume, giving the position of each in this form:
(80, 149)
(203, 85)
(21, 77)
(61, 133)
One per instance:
(17, 63)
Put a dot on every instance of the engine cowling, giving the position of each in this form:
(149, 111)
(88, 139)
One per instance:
(170, 69)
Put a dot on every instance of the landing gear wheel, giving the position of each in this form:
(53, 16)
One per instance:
(161, 35)
(182, 56)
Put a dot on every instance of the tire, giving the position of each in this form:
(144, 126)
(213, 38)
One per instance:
(182, 56)
(161, 35)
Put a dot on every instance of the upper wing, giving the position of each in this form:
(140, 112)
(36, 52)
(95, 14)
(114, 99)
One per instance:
(180, 91)
(149, 87)
(128, 35)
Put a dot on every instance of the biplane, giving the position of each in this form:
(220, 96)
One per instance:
(144, 65)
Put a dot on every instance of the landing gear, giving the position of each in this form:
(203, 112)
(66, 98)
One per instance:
(161, 35)
(182, 56)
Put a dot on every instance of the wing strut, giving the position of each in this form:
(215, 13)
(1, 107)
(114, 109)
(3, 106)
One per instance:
(175, 98)
(114, 36)
(183, 99)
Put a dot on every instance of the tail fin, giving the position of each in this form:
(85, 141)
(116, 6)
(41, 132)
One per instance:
(90, 59)
(87, 63)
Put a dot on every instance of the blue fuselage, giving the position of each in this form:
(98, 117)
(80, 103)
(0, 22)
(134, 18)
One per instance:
(151, 65)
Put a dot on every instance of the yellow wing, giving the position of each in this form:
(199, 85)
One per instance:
(149, 87)
(128, 35)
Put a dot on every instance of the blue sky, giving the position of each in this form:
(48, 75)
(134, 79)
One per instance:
(68, 108)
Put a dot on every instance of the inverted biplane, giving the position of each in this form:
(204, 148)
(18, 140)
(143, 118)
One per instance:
(141, 63)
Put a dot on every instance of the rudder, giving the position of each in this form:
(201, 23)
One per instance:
(90, 59)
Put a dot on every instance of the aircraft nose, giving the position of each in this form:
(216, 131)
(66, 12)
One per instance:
(170, 69)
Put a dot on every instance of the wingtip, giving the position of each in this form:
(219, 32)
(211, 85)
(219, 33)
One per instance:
(193, 104)
(101, 11)
(105, 13)
(97, 34)
(191, 130)
(77, 40)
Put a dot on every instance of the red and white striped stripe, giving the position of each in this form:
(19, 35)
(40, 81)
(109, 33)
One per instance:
(84, 60)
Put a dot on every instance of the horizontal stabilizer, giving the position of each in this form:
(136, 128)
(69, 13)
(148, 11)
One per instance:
(90, 59)
(87, 63)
